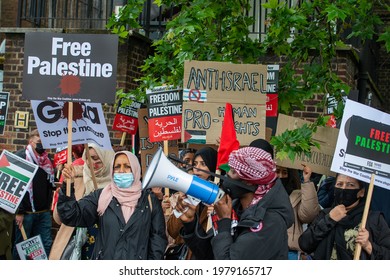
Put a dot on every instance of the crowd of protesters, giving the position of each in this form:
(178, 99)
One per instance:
(267, 211)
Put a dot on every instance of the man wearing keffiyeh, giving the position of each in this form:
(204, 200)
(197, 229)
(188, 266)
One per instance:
(34, 210)
(263, 208)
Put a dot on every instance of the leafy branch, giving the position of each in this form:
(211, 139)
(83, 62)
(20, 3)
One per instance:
(305, 38)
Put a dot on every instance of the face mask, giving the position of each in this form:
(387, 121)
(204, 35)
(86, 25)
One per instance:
(288, 188)
(233, 190)
(346, 197)
(123, 180)
(39, 148)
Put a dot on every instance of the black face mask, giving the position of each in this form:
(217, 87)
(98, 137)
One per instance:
(234, 190)
(286, 186)
(39, 148)
(345, 196)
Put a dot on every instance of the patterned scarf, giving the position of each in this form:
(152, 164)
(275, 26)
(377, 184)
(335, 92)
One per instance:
(103, 175)
(255, 166)
(43, 162)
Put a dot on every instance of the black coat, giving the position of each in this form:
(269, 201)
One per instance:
(273, 213)
(321, 236)
(142, 237)
(42, 190)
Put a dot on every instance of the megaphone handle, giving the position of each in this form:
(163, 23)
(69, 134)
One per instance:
(168, 211)
(209, 223)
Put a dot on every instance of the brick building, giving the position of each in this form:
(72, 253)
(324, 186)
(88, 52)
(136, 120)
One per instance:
(365, 68)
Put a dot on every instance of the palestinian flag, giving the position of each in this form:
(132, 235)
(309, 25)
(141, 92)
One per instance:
(194, 136)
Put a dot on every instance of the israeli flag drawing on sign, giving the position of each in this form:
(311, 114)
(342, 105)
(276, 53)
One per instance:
(194, 95)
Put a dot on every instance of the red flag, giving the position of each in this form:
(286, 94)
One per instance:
(228, 141)
(60, 157)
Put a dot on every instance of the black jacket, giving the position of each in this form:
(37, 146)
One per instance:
(272, 216)
(321, 236)
(42, 191)
(142, 237)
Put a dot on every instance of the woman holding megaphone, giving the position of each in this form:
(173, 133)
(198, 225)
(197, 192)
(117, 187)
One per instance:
(205, 161)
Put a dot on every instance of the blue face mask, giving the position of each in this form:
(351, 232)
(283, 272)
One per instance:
(123, 180)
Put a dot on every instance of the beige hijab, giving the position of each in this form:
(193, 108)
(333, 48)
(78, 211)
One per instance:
(103, 176)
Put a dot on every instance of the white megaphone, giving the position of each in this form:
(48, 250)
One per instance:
(162, 173)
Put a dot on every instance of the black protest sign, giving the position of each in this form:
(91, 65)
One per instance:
(4, 101)
(164, 113)
(368, 146)
(70, 67)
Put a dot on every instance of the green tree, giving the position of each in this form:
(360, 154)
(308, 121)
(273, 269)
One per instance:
(218, 30)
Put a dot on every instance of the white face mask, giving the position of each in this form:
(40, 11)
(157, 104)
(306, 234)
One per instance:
(123, 180)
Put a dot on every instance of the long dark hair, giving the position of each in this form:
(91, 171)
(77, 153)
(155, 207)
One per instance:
(292, 182)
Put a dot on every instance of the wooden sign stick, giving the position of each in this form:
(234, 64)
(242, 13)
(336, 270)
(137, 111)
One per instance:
(123, 139)
(69, 157)
(358, 248)
(24, 235)
(166, 190)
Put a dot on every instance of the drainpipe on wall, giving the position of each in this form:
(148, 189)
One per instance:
(362, 86)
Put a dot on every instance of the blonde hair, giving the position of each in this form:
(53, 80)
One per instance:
(33, 133)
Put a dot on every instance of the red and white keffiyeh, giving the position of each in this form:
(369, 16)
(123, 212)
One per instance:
(255, 166)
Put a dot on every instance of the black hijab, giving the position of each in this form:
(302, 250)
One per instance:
(209, 156)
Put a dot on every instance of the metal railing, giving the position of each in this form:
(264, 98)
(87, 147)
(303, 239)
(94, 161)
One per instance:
(94, 14)
(87, 14)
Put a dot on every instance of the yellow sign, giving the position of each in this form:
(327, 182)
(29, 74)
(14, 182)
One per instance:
(21, 119)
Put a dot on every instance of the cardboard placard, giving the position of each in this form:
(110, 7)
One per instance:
(321, 159)
(249, 121)
(225, 82)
